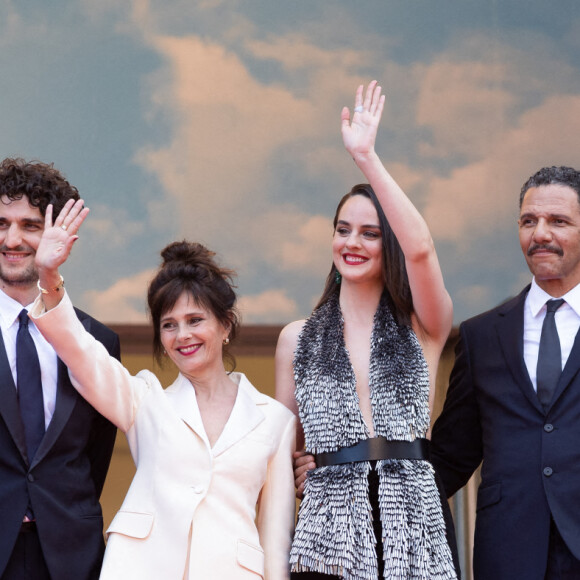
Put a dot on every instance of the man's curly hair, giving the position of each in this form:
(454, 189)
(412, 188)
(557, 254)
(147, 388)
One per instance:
(40, 182)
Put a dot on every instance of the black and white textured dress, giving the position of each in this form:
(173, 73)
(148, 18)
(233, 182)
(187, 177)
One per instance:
(334, 534)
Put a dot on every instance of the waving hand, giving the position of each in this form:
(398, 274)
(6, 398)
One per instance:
(58, 238)
(360, 132)
(55, 246)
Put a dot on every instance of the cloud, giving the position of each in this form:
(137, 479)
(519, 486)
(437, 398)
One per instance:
(457, 101)
(480, 85)
(287, 239)
(480, 198)
(16, 28)
(112, 227)
(407, 177)
(237, 146)
(123, 302)
(310, 247)
(268, 307)
(226, 127)
(295, 51)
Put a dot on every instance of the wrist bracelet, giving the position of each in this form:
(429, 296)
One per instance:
(55, 289)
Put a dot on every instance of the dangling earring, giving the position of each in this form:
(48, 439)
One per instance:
(337, 277)
(226, 341)
(164, 352)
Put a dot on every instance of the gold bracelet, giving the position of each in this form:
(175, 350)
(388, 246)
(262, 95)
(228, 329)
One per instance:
(55, 289)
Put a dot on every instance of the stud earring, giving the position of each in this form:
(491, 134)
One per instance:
(226, 341)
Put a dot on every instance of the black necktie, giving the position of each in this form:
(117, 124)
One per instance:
(549, 355)
(29, 386)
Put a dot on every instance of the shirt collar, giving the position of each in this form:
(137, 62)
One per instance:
(9, 310)
(537, 298)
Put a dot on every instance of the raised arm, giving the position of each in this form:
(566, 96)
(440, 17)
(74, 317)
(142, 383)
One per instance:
(55, 246)
(100, 378)
(432, 304)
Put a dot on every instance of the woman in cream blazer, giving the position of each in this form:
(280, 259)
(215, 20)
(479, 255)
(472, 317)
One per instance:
(197, 509)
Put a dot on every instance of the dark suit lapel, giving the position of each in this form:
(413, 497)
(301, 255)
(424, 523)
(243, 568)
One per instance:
(510, 329)
(9, 408)
(570, 369)
(66, 399)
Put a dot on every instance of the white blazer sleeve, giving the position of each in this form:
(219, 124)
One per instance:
(277, 506)
(102, 380)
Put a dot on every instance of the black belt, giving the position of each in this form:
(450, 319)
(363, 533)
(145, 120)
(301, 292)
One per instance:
(374, 449)
(26, 527)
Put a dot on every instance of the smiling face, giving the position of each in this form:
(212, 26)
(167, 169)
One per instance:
(21, 227)
(549, 228)
(357, 243)
(193, 337)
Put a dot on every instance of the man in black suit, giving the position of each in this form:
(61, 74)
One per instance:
(51, 525)
(502, 410)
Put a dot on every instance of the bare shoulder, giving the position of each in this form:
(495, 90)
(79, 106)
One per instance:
(289, 336)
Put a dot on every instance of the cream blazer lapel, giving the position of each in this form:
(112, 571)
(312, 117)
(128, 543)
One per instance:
(246, 414)
(182, 397)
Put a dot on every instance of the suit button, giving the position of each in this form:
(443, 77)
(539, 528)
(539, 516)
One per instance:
(30, 477)
(548, 471)
(197, 488)
(548, 427)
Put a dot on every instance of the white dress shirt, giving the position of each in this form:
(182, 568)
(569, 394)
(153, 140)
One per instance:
(9, 311)
(567, 323)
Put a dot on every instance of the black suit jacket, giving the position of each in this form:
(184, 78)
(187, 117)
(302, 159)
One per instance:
(65, 478)
(531, 457)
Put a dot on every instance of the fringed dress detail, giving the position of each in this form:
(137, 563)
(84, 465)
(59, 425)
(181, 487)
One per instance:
(334, 534)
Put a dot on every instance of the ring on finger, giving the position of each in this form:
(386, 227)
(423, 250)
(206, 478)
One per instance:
(358, 109)
(63, 227)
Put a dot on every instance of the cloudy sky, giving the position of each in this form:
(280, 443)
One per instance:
(219, 121)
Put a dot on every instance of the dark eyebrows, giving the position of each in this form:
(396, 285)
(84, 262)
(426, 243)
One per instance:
(194, 314)
(35, 221)
(526, 216)
(25, 221)
(560, 216)
(364, 226)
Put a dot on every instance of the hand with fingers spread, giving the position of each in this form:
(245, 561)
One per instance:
(58, 238)
(55, 247)
(360, 132)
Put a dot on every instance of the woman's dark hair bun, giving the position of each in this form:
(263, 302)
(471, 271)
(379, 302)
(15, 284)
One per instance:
(184, 251)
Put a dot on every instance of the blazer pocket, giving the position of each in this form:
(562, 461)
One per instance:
(488, 495)
(251, 557)
(133, 524)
